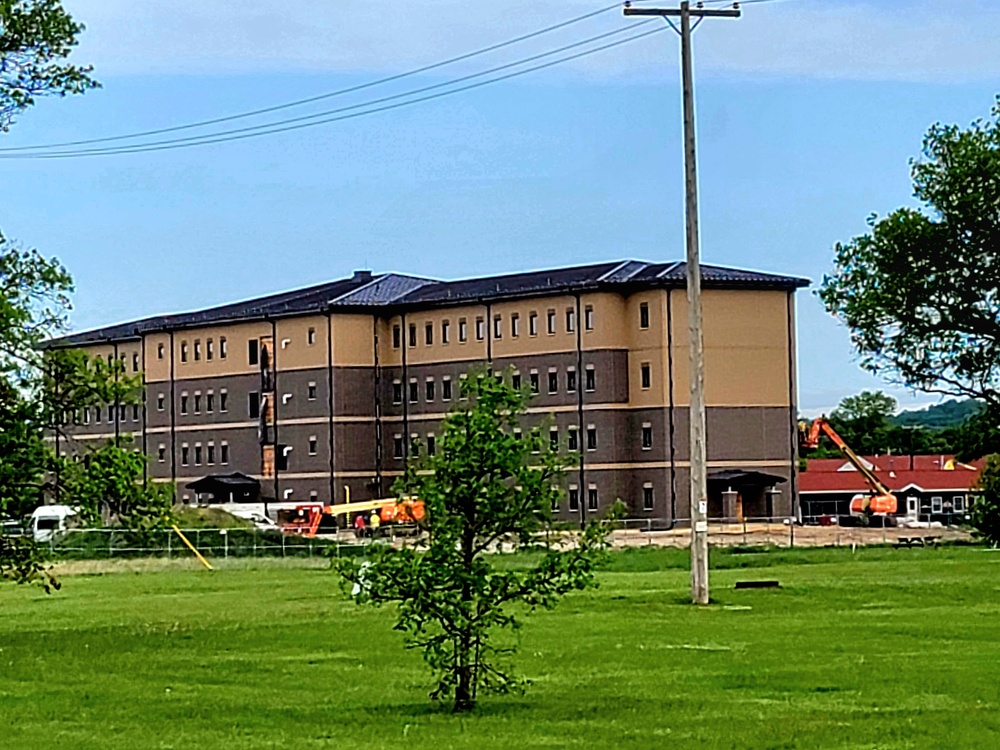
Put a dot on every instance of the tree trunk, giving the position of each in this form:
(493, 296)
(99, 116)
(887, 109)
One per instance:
(465, 690)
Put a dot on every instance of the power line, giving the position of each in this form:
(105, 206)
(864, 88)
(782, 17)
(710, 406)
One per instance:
(270, 129)
(328, 95)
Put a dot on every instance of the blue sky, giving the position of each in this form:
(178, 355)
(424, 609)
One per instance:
(808, 110)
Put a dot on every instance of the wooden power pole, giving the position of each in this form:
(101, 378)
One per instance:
(698, 479)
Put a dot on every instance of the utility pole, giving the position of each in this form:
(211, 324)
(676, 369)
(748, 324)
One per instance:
(698, 478)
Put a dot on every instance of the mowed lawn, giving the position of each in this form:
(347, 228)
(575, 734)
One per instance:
(878, 649)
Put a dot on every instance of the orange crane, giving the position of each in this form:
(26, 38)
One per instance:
(880, 501)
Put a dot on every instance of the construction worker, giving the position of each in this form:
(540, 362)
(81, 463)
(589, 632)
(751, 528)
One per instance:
(374, 522)
(359, 526)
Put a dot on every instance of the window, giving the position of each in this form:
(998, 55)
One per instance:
(517, 433)
(647, 496)
(397, 336)
(197, 454)
(463, 330)
(397, 446)
(222, 347)
(533, 323)
(553, 380)
(445, 331)
(446, 388)
(159, 351)
(592, 497)
(135, 412)
(480, 329)
(414, 445)
(936, 504)
(184, 351)
(533, 375)
(253, 351)
(121, 412)
(160, 401)
(429, 334)
(223, 400)
(97, 415)
(86, 416)
(197, 402)
(311, 336)
(111, 359)
(211, 454)
(555, 499)
(210, 402)
(644, 315)
(573, 439)
(515, 381)
(224, 453)
(397, 392)
(161, 453)
(497, 327)
(431, 445)
(646, 377)
(463, 391)
(413, 334)
(550, 321)
(197, 349)
(311, 390)
(571, 380)
(313, 445)
(185, 454)
(413, 391)
(429, 388)
(135, 362)
(313, 496)
(570, 320)
(958, 502)
(588, 318)
(184, 404)
(591, 438)
(647, 436)
(209, 349)
(554, 438)
(574, 497)
(591, 384)
(111, 414)
(515, 325)
(253, 404)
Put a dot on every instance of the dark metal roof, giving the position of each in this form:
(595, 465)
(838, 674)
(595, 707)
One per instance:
(397, 291)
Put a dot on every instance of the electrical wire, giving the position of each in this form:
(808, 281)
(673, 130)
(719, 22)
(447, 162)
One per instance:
(271, 129)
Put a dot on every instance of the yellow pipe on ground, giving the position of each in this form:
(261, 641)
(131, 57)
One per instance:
(190, 546)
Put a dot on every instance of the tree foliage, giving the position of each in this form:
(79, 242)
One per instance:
(985, 510)
(484, 487)
(36, 36)
(22, 561)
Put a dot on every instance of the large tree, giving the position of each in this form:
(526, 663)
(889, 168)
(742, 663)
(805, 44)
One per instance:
(484, 487)
(36, 37)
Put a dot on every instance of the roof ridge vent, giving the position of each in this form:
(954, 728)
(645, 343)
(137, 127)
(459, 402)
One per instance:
(362, 276)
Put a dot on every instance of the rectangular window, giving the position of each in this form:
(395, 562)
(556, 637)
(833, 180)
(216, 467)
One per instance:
(135, 412)
(311, 391)
(253, 351)
(184, 351)
(224, 453)
(515, 381)
(253, 404)
(160, 401)
(111, 414)
(647, 497)
(121, 412)
(222, 347)
(223, 400)
(97, 415)
(553, 381)
(463, 330)
(209, 349)
(573, 439)
(592, 497)
(644, 315)
(446, 388)
(413, 335)
(571, 380)
(197, 454)
(429, 388)
(397, 446)
(135, 362)
(936, 504)
(414, 445)
(550, 321)
(311, 336)
(570, 320)
(414, 395)
(159, 351)
(185, 455)
(197, 350)
(591, 384)
(480, 329)
(211, 454)
(533, 323)
(515, 325)
(161, 453)
(429, 334)
(591, 438)
(397, 392)
(313, 445)
(958, 502)
(534, 381)
(554, 438)
(184, 403)
(197, 402)
(463, 390)
(210, 402)
(646, 377)
(647, 437)
(588, 318)
(445, 331)
(397, 336)
(574, 497)
(517, 433)
(431, 444)
(497, 327)
(86, 416)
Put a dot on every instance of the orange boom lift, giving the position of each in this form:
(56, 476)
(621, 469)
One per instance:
(879, 501)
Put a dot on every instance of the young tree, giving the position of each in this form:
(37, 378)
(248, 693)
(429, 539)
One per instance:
(35, 38)
(483, 487)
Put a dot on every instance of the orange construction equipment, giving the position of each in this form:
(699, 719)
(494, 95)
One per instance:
(304, 520)
(880, 501)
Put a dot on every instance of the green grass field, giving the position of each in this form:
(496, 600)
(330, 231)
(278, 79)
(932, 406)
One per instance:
(880, 649)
